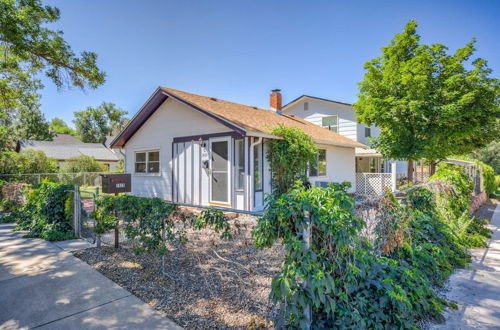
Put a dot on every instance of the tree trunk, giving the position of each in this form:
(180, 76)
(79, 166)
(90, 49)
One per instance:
(432, 167)
(410, 170)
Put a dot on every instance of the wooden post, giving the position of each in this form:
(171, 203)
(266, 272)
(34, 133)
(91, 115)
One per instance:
(117, 231)
(306, 237)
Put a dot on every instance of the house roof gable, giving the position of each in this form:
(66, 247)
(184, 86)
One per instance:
(244, 119)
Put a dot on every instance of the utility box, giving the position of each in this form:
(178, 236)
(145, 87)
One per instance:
(116, 183)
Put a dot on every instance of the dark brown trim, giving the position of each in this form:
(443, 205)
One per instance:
(151, 105)
(203, 137)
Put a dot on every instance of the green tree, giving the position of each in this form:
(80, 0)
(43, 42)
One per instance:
(489, 155)
(24, 31)
(82, 163)
(59, 126)
(95, 124)
(31, 125)
(427, 103)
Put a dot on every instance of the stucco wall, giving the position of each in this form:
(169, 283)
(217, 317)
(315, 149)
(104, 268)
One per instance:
(340, 163)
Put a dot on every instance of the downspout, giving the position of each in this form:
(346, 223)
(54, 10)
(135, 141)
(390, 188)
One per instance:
(251, 178)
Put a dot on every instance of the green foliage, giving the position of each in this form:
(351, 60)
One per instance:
(95, 124)
(48, 212)
(30, 124)
(59, 126)
(215, 219)
(427, 103)
(25, 33)
(289, 157)
(490, 185)
(82, 163)
(489, 155)
(344, 279)
(120, 166)
(30, 161)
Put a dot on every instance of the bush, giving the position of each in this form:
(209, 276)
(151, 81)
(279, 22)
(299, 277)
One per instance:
(82, 163)
(350, 283)
(490, 185)
(48, 212)
(30, 161)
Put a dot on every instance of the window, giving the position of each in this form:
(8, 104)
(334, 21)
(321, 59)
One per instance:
(147, 162)
(257, 167)
(306, 106)
(318, 168)
(239, 163)
(331, 123)
(368, 132)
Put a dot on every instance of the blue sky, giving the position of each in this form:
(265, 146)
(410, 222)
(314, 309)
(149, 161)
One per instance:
(240, 50)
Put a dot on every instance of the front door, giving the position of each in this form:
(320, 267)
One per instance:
(220, 171)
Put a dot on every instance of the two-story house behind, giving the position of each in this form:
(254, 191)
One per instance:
(340, 117)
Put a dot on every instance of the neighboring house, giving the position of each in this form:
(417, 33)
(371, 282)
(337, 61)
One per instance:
(65, 146)
(340, 117)
(201, 150)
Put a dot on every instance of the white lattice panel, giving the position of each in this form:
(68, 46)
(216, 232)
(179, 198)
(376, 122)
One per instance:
(373, 183)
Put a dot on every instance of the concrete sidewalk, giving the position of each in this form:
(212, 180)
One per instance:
(42, 285)
(477, 290)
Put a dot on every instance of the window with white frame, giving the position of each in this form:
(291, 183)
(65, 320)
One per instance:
(239, 159)
(331, 123)
(257, 167)
(147, 161)
(318, 168)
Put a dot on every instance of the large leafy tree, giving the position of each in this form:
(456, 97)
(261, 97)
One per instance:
(31, 125)
(29, 47)
(95, 124)
(427, 102)
(59, 126)
(489, 155)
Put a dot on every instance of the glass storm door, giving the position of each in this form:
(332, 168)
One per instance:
(220, 170)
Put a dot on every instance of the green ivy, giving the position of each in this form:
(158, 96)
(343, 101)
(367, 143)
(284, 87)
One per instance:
(48, 212)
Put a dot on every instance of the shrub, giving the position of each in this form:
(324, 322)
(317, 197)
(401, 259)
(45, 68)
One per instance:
(82, 163)
(490, 185)
(349, 283)
(30, 161)
(48, 212)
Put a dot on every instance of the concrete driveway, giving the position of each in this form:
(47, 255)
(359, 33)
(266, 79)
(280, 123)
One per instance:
(476, 290)
(44, 286)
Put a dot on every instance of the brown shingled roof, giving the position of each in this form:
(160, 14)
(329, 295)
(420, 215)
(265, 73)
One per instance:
(256, 120)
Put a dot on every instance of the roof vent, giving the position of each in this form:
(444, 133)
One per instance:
(213, 99)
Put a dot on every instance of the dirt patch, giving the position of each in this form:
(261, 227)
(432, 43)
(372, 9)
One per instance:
(487, 209)
(210, 283)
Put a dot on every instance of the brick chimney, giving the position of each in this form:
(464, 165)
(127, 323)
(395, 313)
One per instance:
(275, 100)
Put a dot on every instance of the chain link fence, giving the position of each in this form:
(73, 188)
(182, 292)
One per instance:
(88, 179)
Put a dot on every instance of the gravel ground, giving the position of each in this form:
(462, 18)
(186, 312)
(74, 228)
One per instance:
(209, 283)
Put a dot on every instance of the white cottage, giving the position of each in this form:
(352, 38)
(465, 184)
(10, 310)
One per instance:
(201, 150)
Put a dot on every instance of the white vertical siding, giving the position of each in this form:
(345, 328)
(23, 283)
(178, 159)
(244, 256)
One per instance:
(172, 119)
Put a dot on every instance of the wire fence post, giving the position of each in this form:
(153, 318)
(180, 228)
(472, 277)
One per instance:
(306, 237)
(77, 211)
(117, 231)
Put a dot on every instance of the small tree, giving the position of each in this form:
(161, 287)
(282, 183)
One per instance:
(82, 163)
(289, 157)
(59, 126)
(426, 102)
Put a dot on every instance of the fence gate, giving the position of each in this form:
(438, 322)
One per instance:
(84, 227)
